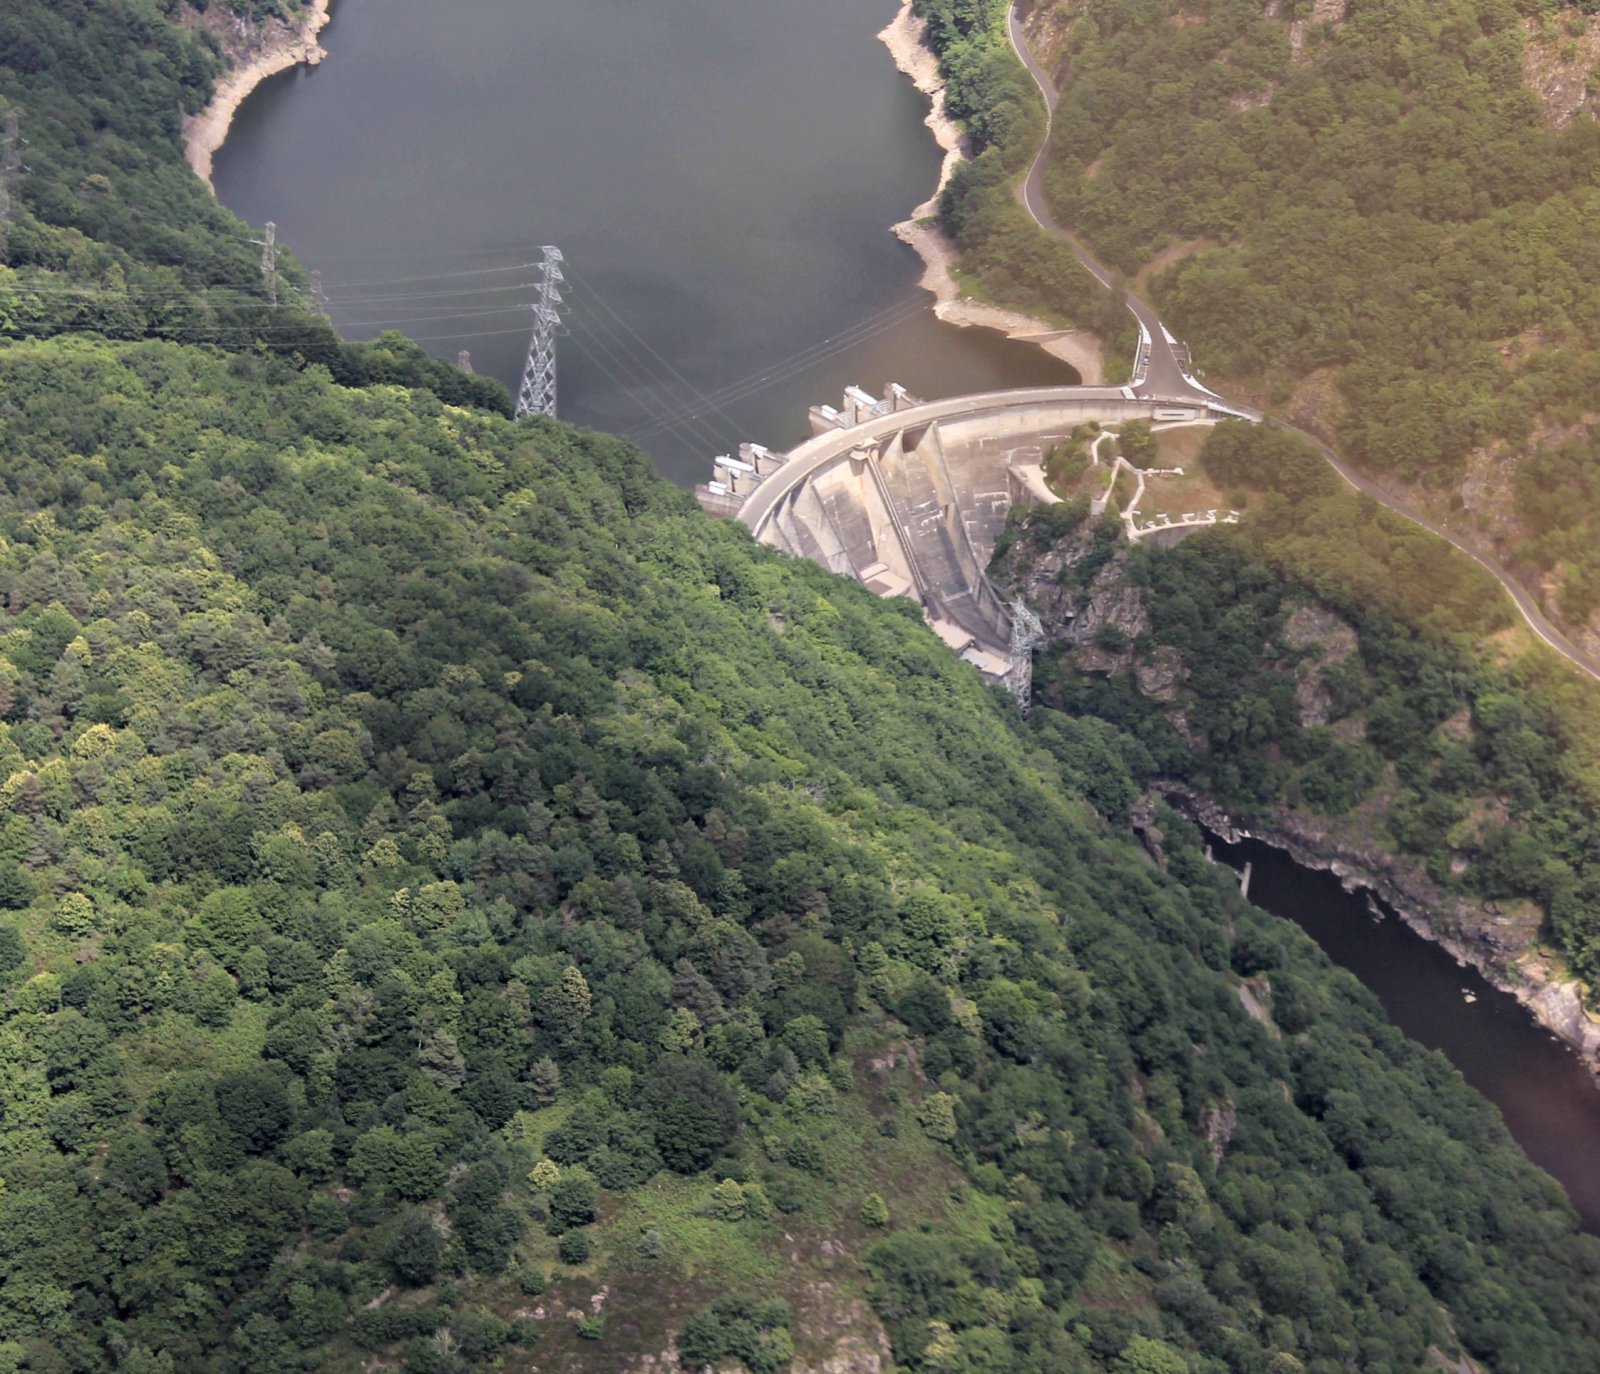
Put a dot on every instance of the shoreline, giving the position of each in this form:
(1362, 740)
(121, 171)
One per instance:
(206, 132)
(1077, 348)
(1525, 973)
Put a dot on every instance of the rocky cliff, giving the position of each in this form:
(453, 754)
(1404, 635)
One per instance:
(1098, 622)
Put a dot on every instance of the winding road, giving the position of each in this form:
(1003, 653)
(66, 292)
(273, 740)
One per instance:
(1160, 370)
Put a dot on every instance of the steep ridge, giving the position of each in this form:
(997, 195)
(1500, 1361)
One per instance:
(1358, 724)
(1375, 236)
(458, 905)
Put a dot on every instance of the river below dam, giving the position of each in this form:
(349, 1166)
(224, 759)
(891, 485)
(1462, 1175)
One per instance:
(1549, 1100)
(721, 175)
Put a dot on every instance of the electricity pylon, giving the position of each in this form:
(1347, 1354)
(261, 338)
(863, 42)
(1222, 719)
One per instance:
(269, 261)
(537, 395)
(1026, 631)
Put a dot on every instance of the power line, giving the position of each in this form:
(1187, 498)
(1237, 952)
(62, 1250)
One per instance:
(809, 358)
(483, 334)
(444, 276)
(300, 325)
(159, 296)
(628, 358)
(179, 331)
(435, 316)
(700, 395)
(665, 423)
(815, 354)
(706, 434)
(434, 295)
(411, 255)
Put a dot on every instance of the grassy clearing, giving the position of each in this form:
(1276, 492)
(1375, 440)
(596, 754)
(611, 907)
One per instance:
(695, 1245)
(1180, 448)
(531, 1128)
(1175, 495)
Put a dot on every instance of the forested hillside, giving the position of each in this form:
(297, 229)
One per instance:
(1328, 254)
(429, 835)
(461, 907)
(110, 231)
(1377, 219)
(1002, 253)
(1328, 660)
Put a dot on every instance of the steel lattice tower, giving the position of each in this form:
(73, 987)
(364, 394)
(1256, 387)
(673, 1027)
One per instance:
(537, 395)
(269, 261)
(1026, 631)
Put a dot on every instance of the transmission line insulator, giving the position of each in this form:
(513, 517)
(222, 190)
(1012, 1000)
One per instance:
(537, 395)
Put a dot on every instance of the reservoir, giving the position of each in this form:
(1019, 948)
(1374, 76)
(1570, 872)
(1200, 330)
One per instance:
(720, 174)
(1550, 1103)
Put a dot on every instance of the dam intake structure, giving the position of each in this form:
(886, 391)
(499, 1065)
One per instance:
(908, 497)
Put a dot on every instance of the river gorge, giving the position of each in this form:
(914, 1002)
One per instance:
(722, 178)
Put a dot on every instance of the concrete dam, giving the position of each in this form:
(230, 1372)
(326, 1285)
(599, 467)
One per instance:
(909, 497)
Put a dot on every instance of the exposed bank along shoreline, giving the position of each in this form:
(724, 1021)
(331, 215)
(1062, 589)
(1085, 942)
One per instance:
(1468, 930)
(281, 47)
(905, 40)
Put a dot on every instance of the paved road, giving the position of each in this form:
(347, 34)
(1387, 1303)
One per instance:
(1161, 372)
(1165, 375)
(817, 452)
(1538, 622)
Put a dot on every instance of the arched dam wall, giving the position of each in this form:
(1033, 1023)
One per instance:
(909, 497)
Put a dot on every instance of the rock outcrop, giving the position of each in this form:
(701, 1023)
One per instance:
(1102, 620)
(1500, 941)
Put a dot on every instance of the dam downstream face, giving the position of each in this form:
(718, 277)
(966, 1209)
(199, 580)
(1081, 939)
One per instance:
(721, 176)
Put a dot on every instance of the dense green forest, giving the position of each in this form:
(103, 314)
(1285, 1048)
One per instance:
(1358, 214)
(460, 907)
(421, 824)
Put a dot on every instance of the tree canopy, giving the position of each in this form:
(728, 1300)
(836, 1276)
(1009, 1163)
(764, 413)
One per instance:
(441, 870)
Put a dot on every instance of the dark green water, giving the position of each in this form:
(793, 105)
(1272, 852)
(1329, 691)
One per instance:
(721, 175)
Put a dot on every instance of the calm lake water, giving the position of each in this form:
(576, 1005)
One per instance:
(721, 175)
(1550, 1103)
